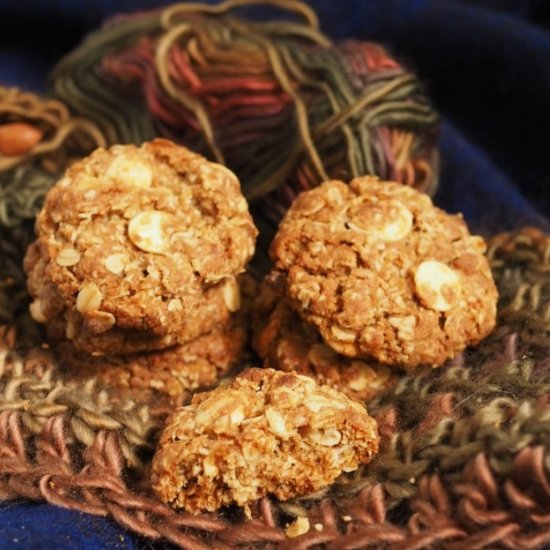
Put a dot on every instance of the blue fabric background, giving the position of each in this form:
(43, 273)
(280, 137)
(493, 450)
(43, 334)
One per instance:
(486, 66)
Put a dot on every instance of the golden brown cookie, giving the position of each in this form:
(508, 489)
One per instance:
(383, 273)
(266, 432)
(138, 248)
(85, 332)
(174, 372)
(288, 343)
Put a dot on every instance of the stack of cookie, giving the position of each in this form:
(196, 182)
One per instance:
(369, 276)
(135, 269)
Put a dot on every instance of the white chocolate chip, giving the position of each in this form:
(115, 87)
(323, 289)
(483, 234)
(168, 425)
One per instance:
(298, 527)
(149, 231)
(89, 298)
(115, 263)
(232, 295)
(131, 171)
(68, 257)
(437, 285)
(37, 313)
(390, 222)
(399, 226)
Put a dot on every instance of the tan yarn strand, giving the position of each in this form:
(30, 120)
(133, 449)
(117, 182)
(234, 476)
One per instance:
(185, 99)
(299, 8)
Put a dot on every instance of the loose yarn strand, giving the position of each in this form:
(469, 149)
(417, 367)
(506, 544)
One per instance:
(162, 51)
(301, 9)
(301, 77)
(301, 111)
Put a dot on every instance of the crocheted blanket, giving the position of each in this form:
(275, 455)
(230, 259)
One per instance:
(464, 459)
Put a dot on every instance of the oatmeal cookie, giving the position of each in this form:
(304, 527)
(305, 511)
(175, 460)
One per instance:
(138, 248)
(173, 372)
(286, 342)
(266, 432)
(383, 273)
(85, 332)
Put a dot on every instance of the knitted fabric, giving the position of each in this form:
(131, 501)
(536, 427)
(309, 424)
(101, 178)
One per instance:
(24, 181)
(463, 463)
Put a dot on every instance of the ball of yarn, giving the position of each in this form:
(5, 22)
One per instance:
(38, 140)
(276, 100)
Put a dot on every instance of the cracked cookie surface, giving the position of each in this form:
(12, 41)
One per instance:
(266, 432)
(383, 273)
(138, 248)
(288, 343)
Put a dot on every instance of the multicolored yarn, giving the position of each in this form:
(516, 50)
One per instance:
(465, 460)
(276, 101)
(522, 261)
(60, 137)
(25, 176)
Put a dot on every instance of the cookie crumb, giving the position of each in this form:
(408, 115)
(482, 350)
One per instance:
(300, 526)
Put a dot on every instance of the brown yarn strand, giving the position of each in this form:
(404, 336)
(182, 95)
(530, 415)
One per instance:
(308, 15)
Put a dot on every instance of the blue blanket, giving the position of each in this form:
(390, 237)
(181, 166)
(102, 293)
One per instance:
(486, 66)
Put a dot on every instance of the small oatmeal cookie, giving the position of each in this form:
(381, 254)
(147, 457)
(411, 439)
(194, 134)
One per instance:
(173, 372)
(95, 332)
(138, 248)
(286, 342)
(383, 273)
(266, 432)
